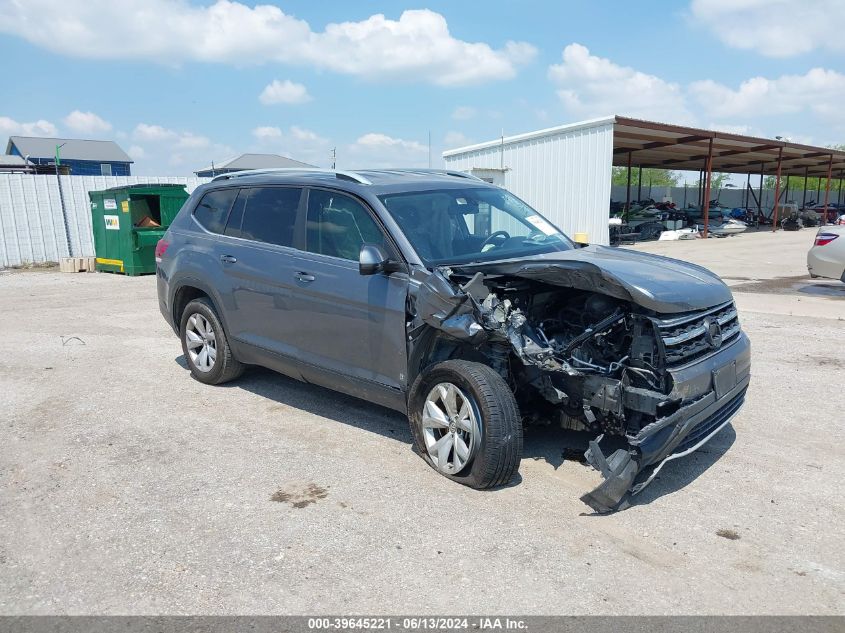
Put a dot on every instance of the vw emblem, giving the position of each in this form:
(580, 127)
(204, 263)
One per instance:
(713, 332)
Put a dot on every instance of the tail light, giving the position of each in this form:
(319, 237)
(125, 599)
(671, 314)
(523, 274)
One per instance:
(825, 238)
(161, 249)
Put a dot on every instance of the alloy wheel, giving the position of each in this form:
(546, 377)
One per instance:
(450, 428)
(200, 342)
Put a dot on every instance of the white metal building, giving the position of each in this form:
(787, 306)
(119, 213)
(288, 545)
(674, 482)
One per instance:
(563, 172)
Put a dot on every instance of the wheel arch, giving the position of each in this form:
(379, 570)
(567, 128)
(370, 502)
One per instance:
(434, 346)
(186, 291)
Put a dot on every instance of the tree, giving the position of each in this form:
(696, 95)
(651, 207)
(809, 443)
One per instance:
(717, 181)
(651, 176)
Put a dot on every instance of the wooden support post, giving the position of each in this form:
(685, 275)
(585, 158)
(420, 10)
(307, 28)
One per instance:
(839, 197)
(777, 192)
(707, 187)
(760, 191)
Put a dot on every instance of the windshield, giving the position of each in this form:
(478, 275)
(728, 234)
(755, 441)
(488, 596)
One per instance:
(460, 226)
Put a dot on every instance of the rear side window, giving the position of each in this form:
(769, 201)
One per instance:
(213, 209)
(270, 215)
(338, 225)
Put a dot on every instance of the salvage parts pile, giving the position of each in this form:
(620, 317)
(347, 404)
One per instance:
(582, 348)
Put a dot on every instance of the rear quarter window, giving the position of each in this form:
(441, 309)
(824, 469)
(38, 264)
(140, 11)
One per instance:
(213, 209)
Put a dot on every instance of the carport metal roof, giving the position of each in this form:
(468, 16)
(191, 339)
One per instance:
(640, 144)
(666, 146)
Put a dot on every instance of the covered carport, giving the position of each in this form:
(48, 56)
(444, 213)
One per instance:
(646, 144)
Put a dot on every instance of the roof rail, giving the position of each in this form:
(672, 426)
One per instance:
(343, 175)
(444, 172)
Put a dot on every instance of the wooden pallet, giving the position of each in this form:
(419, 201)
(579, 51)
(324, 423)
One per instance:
(77, 265)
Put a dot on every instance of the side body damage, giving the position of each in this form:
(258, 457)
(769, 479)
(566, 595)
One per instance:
(588, 350)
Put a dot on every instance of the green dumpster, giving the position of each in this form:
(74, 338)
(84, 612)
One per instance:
(129, 221)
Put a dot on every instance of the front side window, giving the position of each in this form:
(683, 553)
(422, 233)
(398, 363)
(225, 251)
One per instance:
(213, 209)
(338, 225)
(459, 226)
(270, 215)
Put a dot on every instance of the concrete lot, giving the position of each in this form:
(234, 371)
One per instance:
(128, 487)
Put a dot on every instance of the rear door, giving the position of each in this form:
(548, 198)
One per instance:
(347, 322)
(257, 259)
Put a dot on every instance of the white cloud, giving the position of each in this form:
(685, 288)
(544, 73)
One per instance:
(302, 134)
(819, 91)
(86, 123)
(417, 46)
(456, 139)
(179, 152)
(374, 139)
(294, 142)
(284, 92)
(188, 140)
(590, 86)
(155, 133)
(177, 140)
(776, 28)
(377, 150)
(10, 127)
(266, 132)
(462, 113)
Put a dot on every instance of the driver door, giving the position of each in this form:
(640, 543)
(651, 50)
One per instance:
(349, 325)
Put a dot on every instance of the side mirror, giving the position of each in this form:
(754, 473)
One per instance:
(372, 259)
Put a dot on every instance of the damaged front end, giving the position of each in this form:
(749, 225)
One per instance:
(579, 349)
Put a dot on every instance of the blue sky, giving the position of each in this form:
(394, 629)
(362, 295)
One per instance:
(180, 83)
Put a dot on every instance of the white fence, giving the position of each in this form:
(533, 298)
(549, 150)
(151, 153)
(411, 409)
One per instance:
(32, 229)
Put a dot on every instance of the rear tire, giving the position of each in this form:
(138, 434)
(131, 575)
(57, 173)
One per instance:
(486, 436)
(205, 345)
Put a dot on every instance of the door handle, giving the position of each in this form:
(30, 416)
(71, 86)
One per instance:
(304, 277)
(228, 259)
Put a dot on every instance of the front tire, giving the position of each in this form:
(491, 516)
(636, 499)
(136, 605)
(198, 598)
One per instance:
(205, 345)
(466, 423)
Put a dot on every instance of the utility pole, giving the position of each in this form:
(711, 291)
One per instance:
(62, 201)
(334, 157)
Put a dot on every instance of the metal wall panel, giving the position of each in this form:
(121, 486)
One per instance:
(31, 225)
(564, 173)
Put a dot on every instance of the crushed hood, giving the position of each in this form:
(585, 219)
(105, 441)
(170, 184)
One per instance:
(661, 284)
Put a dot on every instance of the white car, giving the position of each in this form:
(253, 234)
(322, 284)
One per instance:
(827, 255)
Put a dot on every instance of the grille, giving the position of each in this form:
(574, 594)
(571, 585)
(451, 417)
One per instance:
(688, 337)
(705, 427)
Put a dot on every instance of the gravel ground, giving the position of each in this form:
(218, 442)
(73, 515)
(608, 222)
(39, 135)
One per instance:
(126, 487)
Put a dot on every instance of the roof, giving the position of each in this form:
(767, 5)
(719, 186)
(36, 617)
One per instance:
(254, 161)
(73, 149)
(11, 160)
(676, 147)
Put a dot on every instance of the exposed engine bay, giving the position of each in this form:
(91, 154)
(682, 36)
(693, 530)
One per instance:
(583, 359)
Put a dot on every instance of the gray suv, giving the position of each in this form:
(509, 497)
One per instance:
(454, 302)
